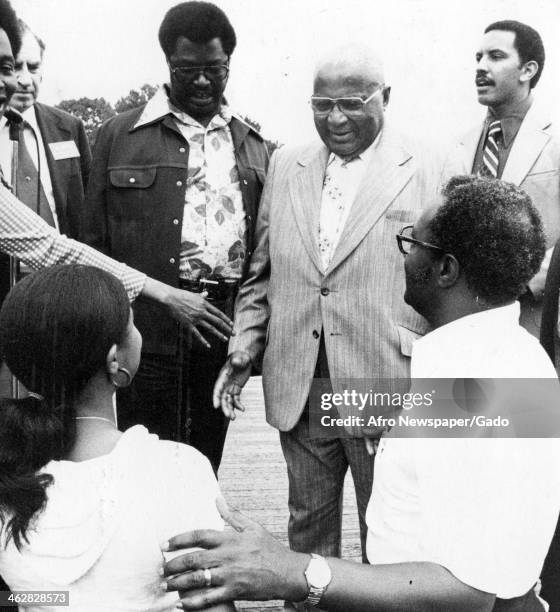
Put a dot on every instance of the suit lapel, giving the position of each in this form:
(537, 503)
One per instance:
(306, 187)
(389, 170)
(527, 146)
(53, 130)
(467, 148)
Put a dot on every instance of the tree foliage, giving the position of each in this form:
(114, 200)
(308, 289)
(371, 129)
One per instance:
(92, 111)
(135, 98)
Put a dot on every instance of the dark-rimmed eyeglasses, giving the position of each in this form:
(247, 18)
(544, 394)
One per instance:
(351, 105)
(190, 73)
(405, 239)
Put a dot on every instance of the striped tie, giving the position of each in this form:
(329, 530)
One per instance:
(490, 154)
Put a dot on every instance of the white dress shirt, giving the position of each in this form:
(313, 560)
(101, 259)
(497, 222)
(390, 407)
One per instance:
(485, 509)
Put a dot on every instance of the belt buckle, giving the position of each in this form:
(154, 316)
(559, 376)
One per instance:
(206, 281)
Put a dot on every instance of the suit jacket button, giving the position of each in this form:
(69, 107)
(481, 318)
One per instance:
(316, 334)
(324, 291)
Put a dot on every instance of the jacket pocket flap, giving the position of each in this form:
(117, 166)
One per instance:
(406, 339)
(136, 178)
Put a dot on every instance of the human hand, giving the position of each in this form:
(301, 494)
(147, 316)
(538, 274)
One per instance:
(192, 310)
(247, 563)
(232, 378)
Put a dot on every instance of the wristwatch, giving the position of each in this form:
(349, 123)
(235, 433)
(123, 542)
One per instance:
(318, 575)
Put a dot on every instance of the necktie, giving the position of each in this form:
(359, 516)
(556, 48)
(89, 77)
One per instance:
(490, 158)
(333, 205)
(29, 189)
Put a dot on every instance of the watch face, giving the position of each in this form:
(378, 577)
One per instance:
(318, 573)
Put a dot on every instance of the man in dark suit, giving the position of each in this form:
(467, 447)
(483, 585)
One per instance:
(54, 155)
(57, 138)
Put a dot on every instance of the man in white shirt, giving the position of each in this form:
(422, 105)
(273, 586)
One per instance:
(456, 524)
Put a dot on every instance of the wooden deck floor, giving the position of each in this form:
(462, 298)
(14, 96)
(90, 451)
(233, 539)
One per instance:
(253, 479)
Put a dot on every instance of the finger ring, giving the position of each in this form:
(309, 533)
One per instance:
(207, 577)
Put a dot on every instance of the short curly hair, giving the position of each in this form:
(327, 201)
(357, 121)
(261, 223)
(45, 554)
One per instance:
(9, 23)
(200, 22)
(494, 231)
(528, 43)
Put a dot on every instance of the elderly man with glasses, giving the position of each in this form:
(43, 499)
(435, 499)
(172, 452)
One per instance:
(324, 293)
(174, 190)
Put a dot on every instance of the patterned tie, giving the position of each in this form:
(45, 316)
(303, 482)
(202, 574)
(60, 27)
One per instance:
(490, 158)
(332, 210)
(29, 188)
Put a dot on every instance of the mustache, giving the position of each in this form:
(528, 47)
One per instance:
(483, 78)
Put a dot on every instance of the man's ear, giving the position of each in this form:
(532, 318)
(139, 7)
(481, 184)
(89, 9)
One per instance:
(111, 363)
(528, 71)
(449, 271)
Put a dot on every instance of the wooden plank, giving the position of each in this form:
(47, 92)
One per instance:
(253, 479)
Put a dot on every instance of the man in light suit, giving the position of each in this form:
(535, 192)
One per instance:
(324, 294)
(517, 142)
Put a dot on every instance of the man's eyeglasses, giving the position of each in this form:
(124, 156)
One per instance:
(352, 105)
(190, 73)
(405, 239)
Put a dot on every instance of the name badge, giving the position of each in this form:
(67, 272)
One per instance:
(64, 150)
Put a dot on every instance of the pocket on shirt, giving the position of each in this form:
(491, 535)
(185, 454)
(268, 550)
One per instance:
(130, 192)
(132, 178)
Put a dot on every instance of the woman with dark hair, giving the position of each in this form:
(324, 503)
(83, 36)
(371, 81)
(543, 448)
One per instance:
(83, 506)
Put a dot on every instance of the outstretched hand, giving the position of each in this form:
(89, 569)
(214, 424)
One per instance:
(192, 310)
(247, 563)
(232, 378)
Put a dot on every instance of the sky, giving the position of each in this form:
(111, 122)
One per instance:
(107, 47)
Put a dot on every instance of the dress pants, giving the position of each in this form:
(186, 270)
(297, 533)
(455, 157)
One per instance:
(316, 471)
(171, 395)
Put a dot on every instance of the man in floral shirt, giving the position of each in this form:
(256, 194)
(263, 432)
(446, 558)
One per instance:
(174, 191)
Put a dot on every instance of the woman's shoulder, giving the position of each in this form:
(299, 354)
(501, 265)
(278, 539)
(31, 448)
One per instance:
(165, 458)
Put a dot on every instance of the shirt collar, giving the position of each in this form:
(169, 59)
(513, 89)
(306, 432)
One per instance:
(30, 119)
(10, 113)
(512, 121)
(486, 322)
(160, 106)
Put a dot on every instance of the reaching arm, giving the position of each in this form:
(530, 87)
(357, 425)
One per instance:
(24, 235)
(249, 563)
